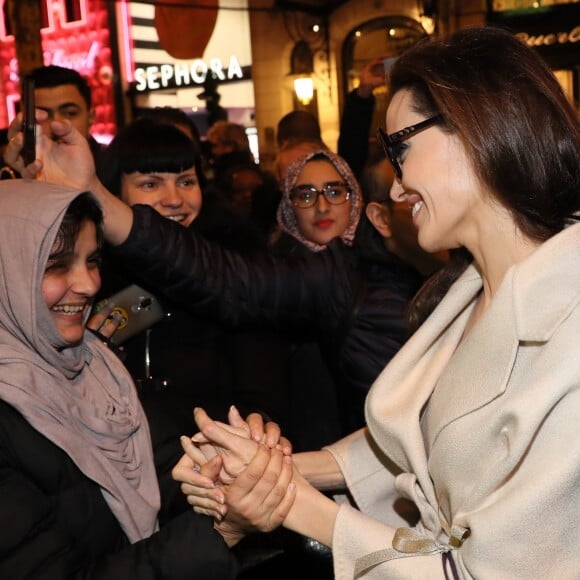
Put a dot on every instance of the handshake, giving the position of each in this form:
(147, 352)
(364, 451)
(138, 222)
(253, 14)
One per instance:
(240, 473)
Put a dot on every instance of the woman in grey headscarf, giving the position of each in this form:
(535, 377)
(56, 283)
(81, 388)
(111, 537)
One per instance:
(80, 493)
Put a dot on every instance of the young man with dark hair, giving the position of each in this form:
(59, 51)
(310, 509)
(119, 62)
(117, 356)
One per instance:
(65, 95)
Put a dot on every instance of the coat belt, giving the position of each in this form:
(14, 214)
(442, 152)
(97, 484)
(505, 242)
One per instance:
(409, 542)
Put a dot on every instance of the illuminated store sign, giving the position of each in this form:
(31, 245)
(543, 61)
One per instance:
(516, 5)
(513, 5)
(217, 43)
(551, 38)
(186, 74)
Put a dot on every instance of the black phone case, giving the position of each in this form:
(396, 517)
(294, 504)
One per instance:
(28, 121)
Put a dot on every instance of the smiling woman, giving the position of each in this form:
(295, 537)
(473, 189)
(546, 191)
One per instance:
(66, 398)
(321, 200)
(469, 419)
(155, 164)
(182, 360)
(72, 277)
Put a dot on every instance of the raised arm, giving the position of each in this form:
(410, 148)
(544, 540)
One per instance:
(68, 161)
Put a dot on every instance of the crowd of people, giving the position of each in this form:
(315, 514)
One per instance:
(359, 351)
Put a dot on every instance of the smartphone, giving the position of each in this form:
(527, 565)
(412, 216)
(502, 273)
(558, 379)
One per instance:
(139, 310)
(28, 121)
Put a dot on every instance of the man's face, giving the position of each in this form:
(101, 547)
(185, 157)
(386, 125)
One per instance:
(64, 103)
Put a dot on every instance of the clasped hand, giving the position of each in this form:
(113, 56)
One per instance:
(239, 473)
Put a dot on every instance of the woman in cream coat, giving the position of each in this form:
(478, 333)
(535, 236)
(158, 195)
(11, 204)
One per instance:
(475, 420)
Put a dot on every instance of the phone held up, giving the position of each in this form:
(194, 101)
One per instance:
(138, 310)
(28, 121)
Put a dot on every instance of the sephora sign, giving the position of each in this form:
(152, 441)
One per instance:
(186, 74)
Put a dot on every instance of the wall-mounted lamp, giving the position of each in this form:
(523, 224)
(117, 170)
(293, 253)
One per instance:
(304, 89)
(301, 70)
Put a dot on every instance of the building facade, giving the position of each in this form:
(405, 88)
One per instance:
(138, 55)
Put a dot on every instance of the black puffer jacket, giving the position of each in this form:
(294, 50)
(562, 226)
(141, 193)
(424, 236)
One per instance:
(56, 524)
(200, 362)
(356, 309)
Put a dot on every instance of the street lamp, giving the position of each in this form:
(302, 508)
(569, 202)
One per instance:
(301, 70)
(304, 89)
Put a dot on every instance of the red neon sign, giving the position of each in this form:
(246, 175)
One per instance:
(75, 34)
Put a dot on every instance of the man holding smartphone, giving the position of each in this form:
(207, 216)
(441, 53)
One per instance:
(66, 96)
(355, 123)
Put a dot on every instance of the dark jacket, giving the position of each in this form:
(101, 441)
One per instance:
(355, 126)
(57, 525)
(356, 309)
(198, 362)
(314, 417)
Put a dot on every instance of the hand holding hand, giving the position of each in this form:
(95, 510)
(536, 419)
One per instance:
(267, 433)
(199, 479)
(260, 498)
(232, 442)
(199, 469)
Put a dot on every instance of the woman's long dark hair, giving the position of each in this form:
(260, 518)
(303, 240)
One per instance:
(520, 131)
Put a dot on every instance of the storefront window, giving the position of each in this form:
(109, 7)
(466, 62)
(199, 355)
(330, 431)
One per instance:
(552, 28)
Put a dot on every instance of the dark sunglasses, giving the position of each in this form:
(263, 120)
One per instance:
(391, 142)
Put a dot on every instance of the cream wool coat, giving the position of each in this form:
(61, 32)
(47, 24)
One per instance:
(496, 452)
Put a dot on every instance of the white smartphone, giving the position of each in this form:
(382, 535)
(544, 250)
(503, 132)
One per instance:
(139, 310)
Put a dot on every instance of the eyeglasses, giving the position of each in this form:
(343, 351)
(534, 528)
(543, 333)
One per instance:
(335, 193)
(392, 143)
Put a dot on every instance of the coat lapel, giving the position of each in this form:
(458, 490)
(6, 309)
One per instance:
(396, 400)
(526, 308)
(479, 369)
(456, 381)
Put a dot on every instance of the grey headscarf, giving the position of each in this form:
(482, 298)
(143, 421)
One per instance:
(81, 398)
(286, 216)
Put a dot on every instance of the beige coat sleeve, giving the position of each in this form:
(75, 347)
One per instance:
(527, 528)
